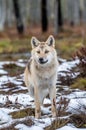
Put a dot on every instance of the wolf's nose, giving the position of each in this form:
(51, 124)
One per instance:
(41, 59)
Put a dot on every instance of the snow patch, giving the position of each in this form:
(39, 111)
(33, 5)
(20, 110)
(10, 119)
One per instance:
(4, 117)
(24, 127)
(69, 128)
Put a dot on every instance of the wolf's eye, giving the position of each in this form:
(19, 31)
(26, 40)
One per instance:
(38, 52)
(46, 51)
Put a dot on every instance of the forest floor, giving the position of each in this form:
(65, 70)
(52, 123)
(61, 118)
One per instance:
(68, 41)
(17, 107)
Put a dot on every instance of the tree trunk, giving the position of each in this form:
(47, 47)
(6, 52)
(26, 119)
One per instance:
(76, 12)
(84, 11)
(59, 20)
(23, 4)
(58, 16)
(9, 13)
(19, 22)
(73, 12)
(34, 12)
(44, 18)
(2, 14)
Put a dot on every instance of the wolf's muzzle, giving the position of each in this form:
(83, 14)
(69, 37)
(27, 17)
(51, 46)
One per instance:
(42, 61)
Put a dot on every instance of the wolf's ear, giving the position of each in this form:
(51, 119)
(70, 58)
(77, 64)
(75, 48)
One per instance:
(51, 41)
(34, 42)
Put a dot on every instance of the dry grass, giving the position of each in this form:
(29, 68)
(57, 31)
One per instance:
(23, 113)
(79, 118)
(28, 122)
(13, 69)
(81, 54)
(57, 124)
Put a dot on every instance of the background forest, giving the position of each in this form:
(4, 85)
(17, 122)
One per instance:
(66, 21)
(39, 12)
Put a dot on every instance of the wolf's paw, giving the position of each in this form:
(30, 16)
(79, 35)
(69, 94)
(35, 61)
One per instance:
(54, 114)
(38, 115)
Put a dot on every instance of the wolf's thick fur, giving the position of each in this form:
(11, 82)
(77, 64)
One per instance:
(41, 73)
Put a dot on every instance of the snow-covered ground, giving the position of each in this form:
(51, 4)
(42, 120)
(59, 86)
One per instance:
(70, 128)
(9, 102)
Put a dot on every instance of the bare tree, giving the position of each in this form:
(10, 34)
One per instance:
(83, 10)
(58, 16)
(59, 20)
(35, 12)
(44, 18)
(2, 14)
(73, 10)
(24, 11)
(19, 22)
(9, 13)
(76, 12)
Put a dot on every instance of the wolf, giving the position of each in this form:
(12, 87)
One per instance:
(40, 74)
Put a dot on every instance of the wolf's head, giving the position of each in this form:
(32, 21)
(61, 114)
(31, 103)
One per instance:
(43, 52)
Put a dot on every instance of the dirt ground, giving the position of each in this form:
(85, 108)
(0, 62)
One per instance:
(36, 30)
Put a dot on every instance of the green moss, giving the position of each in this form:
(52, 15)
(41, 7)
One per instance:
(23, 113)
(80, 83)
(17, 45)
(4, 44)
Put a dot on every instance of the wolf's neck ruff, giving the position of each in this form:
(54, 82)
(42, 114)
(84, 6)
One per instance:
(44, 71)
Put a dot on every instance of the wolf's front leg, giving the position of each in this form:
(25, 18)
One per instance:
(52, 93)
(37, 103)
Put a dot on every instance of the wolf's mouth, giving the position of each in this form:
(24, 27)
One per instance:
(43, 62)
